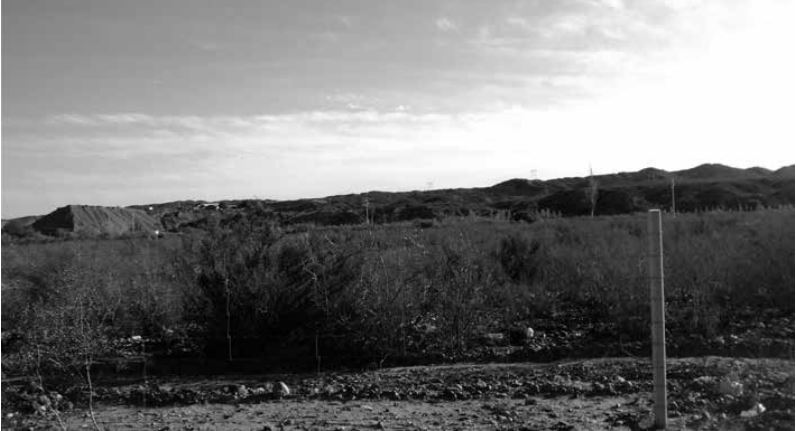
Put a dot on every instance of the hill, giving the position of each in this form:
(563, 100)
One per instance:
(702, 187)
(707, 186)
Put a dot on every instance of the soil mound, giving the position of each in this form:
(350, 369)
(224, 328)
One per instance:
(96, 220)
(19, 226)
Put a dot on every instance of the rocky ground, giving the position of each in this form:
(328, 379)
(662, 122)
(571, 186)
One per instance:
(704, 393)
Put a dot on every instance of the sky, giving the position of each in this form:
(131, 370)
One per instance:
(118, 102)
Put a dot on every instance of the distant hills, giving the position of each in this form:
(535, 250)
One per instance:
(706, 186)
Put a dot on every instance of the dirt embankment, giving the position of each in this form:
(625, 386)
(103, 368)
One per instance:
(96, 220)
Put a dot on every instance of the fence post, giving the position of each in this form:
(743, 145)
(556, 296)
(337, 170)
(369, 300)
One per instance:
(228, 317)
(655, 259)
(317, 355)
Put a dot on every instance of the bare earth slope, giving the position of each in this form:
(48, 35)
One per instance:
(96, 220)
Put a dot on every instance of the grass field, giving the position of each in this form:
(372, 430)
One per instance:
(401, 293)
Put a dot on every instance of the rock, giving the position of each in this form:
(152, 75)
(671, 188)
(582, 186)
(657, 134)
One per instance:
(391, 395)
(704, 380)
(646, 422)
(281, 389)
(729, 386)
(241, 391)
(38, 408)
(754, 411)
(450, 394)
(44, 400)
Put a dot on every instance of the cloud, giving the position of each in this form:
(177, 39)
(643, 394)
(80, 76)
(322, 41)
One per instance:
(352, 101)
(445, 24)
(516, 21)
(638, 28)
(613, 4)
(345, 20)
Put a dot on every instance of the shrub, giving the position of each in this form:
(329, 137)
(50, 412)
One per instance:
(394, 290)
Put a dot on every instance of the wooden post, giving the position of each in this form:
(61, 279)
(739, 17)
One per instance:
(674, 209)
(229, 317)
(143, 368)
(655, 259)
(317, 355)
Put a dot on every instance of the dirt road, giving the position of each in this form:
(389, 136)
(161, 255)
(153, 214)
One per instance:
(704, 393)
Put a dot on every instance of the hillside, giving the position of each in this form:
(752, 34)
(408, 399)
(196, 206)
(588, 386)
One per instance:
(706, 186)
(702, 187)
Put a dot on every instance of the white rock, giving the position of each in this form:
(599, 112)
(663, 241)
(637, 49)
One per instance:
(281, 389)
(754, 411)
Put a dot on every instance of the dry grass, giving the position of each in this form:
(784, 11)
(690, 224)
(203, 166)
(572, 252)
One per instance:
(393, 290)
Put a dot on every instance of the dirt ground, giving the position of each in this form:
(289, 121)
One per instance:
(704, 393)
(553, 413)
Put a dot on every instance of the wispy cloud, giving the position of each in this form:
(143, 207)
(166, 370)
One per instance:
(445, 24)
